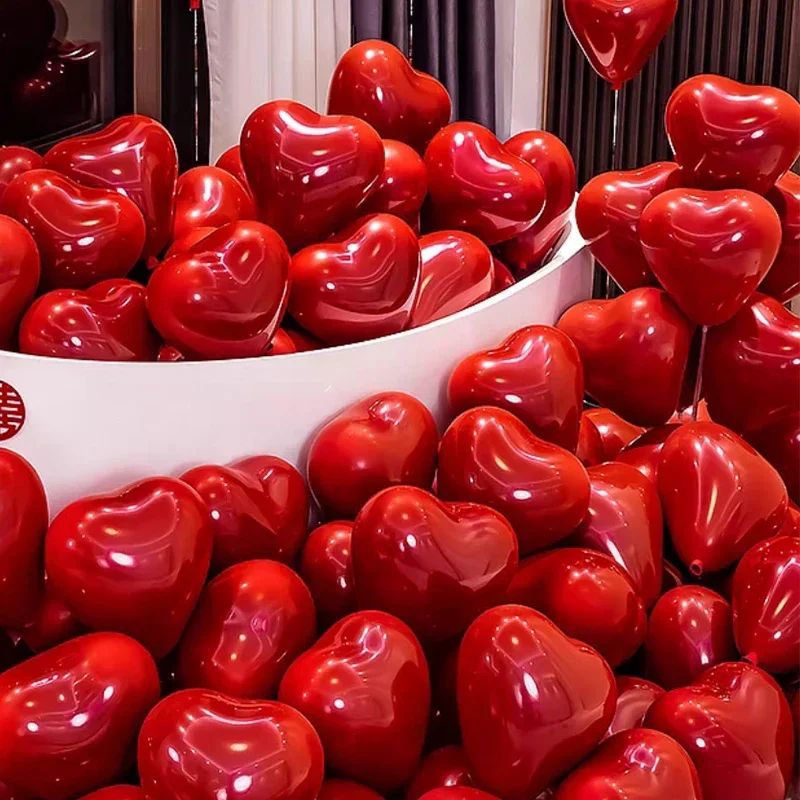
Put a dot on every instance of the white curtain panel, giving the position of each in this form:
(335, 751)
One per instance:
(261, 50)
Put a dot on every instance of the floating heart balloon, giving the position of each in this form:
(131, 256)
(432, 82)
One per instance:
(476, 185)
(15, 160)
(199, 744)
(730, 135)
(590, 446)
(545, 700)
(779, 443)
(309, 173)
(364, 687)
(84, 235)
(402, 186)
(105, 681)
(720, 497)
(259, 509)
(19, 276)
(346, 790)
(634, 698)
(52, 624)
(225, 297)
(134, 561)
(434, 565)
(608, 211)
(447, 766)
(383, 440)
(231, 162)
(615, 433)
(374, 81)
(535, 373)
(783, 279)
(107, 322)
(135, 157)
(618, 36)
(644, 452)
(634, 350)
(117, 793)
(731, 708)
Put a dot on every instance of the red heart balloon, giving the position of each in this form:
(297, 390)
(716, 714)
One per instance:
(720, 497)
(134, 156)
(361, 285)
(309, 173)
(619, 36)
(736, 726)
(117, 793)
(779, 443)
(477, 185)
(19, 277)
(107, 322)
(225, 297)
(198, 744)
(783, 279)
(503, 277)
(259, 509)
(608, 211)
(287, 340)
(84, 235)
(69, 717)
(167, 353)
(447, 766)
(52, 624)
(374, 81)
(766, 604)
(634, 350)
(752, 366)
(710, 250)
(365, 688)
(15, 160)
(615, 433)
(634, 698)
(383, 440)
(731, 135)
(644, 452)
(532, 702)
(535, 373)
(231, 162)
(121, 561)
(434, 565)
(590, 446)
(402, 186)
(488, 456)
(346, 790)
(457, 272)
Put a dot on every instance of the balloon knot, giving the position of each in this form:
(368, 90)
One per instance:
(696, 568)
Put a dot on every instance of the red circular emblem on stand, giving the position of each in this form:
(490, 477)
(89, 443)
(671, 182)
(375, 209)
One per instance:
(12, 411)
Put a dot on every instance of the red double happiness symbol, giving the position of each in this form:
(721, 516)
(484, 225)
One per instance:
(12, 411)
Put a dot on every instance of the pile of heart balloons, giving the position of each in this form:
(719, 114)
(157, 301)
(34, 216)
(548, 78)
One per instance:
(314, 231)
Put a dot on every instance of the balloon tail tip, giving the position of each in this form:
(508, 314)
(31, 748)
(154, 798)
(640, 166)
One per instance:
(696, 568)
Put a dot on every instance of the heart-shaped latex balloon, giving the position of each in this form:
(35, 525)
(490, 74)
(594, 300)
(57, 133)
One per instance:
(346, 790)
(535, 373)
(14, 160)
(618, 36)
(105, 681)
(374, 81)
(779, 443)
(752, 366)
(783, 279)
(503, 277)
(134, 561)
(488, 456)
(532, 702)
(644, 452)
(134, 156)
(457, 272)
(309, 173)
(288, 340)
(384, 440)
(402, 186)
(52, 624)
(364, 686)
(224, 297)
(720, 497)
(361, 285)
(434, 565)
(590, 446)
(634, 698)
(231, 162)
(634, 350)
(84, 235)
(766, 604)
(710, 250)
(615, 433)
(19, 277)
(259, 509)
(731, 135)
(608, 211)
(117, 793)
(198, 744)
(476, 185)
(447, 766)
(107, 322)
(625, 523)
(736, 725)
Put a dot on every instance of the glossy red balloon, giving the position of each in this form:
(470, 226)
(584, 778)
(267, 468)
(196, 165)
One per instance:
(19, 277)
(532, 702)
(384, 440)
(535, 373)
(783, 279)
(364, 687)
(346, 790)
(198, 745)
(287, 341)
(644, 452)
(403, 183)
(634, 350)
(736, 726)
(731, 135)
(608, 211)
(447, 766)
(14, 160)
(83, 235)
(117, 793)
(309, 173)
(231, 162)
(590, 444)
(720, 497)
(259, 509)
(133, 156)
(224, 297)
(779, 443)
(134, 561)
(69, 717)
(634, 698)
(619, 36)
(52, 624)
(326, 566)
(477, 185)
(503, 277)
